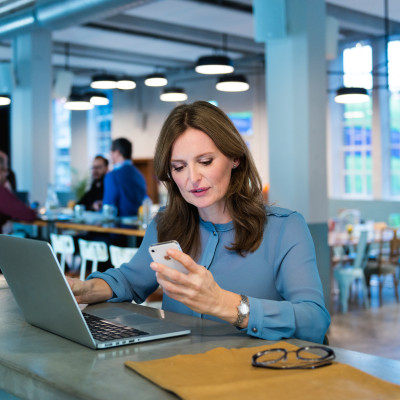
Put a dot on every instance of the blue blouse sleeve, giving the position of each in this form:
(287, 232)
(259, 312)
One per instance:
(301, 313)
(134, 280)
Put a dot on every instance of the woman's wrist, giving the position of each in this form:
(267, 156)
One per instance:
(96, 290)
(228, 308)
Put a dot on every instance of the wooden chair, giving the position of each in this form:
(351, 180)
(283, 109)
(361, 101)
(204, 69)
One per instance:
(383, 265)
(120, 255)
(345, 273)
(94, 251)
(63, 245)
(395, 247)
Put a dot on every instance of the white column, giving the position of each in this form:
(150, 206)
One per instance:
(80, 162)
(380, 124)
(296, 87)
(31, 132)
(296, 102)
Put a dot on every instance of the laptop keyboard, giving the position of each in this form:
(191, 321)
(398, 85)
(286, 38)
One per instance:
(104, 330)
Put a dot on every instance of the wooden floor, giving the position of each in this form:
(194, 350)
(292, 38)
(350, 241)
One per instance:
(374, 331)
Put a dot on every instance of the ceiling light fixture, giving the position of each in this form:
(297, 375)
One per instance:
(97, 98)
(156, 80)
(4, 100)
(77, 102)
(351, 95)
(173, 94)
(232, 83)
(126, 83)
(213, 65)
(104, 81)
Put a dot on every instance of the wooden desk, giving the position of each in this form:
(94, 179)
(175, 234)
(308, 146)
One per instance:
(35, 364)
(104, 228)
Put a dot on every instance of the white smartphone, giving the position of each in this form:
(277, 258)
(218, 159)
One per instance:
(158, 252)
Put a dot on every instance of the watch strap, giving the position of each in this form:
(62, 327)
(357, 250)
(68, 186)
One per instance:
(244, 303)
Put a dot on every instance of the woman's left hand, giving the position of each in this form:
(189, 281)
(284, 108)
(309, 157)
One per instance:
(197, 289)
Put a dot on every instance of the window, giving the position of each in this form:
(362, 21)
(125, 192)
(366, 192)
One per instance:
(357, 151)
(99, 128)
(393, 149)
(62, 144)
(356, 145)
(243, 122)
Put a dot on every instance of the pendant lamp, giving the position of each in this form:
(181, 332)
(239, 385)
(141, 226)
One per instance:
(104, 81)
(232, 83)
(173, 94)
(213, 65)
(77, 102)
(4, 100)
(351, 95)
(126, 83)
(156, 80)
(97, 98)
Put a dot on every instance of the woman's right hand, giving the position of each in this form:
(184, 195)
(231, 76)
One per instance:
(91, 291)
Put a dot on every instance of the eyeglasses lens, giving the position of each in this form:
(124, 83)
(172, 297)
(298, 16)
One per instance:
(318, 354)
(271, 357)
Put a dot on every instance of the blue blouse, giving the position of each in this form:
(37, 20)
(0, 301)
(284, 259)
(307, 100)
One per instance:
(280, 278)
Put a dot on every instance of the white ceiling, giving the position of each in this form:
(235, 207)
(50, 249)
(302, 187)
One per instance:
(169, 35)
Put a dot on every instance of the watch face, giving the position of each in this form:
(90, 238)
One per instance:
(244, 308)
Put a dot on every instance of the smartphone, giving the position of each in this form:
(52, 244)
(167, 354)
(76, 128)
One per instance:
(158, 252)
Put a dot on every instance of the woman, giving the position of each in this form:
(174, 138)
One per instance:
(250, 267)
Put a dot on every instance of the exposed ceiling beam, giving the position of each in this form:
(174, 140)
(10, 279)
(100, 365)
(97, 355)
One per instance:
(75, 50)
(361, 24)
(178, 33)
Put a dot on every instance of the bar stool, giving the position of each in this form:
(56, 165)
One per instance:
(94, 251)
(63, 245)
(120, 255)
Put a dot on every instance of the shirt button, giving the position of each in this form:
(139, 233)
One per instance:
(255, 330)
(215, 233)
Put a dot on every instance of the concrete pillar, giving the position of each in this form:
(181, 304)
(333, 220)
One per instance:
(31, 133)
(79, 150)
(296, 94)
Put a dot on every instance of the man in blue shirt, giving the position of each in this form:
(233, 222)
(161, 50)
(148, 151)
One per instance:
(124, 186)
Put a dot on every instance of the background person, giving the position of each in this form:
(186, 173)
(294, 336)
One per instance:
(124, 186)
(11, 208)
(11, 182)
(248, 265)
(93, 198)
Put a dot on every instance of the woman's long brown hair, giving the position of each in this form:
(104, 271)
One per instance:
(180, 220)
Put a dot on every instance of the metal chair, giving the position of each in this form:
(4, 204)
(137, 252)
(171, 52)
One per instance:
(63, 245)
(346, 274)
(384, 264)
(94, 251)
(120, 255)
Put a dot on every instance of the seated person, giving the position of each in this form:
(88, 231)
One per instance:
(124, 186)
(93, 198)
(11, 179)
(250, 265)
(10, 206)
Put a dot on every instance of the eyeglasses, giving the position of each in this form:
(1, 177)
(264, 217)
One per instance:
(278, 358)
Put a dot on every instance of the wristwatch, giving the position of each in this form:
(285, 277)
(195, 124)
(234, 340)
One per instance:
(243, 310)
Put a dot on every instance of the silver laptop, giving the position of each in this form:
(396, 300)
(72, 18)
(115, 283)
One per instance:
(35, 278)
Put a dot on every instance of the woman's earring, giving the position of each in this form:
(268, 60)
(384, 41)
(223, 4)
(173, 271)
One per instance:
(234, 165)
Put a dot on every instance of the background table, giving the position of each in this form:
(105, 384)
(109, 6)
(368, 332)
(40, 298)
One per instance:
(35, 364)
(101, 228)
